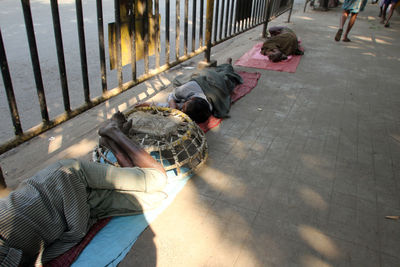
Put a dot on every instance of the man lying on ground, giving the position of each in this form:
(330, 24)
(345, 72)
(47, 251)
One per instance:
(204, 93)
(53, 210)
(282, 43)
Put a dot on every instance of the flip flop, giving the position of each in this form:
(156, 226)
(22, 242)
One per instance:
(338, 35)
(346, 40)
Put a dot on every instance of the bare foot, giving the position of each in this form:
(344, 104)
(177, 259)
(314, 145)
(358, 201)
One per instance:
(107, 128)
(126, 127)
(229, 60)
(119, 118)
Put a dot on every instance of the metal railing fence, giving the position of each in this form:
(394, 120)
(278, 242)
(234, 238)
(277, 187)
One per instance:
(141, 31)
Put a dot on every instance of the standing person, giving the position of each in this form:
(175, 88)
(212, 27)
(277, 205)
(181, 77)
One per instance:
(351, 7)
(393, 5)
(53, 210)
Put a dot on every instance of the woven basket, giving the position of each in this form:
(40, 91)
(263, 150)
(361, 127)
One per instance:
(169, 135)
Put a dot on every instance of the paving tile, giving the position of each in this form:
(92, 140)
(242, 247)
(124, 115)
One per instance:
(389, 261)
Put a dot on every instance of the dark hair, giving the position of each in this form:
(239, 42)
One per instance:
(198, 109)
(275, 57)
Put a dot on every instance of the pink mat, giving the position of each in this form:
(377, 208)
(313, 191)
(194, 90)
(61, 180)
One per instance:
(254, 59)
(250, 80)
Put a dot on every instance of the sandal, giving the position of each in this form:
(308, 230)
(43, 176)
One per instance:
(338, 35)
(346, 40)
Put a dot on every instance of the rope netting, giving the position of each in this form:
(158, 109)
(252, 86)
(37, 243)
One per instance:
(169, 135)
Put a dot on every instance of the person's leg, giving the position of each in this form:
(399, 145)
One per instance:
(383, 17)
(138, 156)
(343, 19)
(390, 14)
(108, 177)
(122, 158)
(349, 26)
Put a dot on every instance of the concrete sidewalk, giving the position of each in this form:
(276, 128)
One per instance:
(305, 181)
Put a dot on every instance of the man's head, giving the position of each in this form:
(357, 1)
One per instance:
(275, 56)
(197, 109)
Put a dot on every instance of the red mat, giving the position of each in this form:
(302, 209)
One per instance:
(69, 257)
(250, 80)
(254, 59)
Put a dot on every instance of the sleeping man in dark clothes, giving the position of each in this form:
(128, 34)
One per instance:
(204, 93)
(53, 210)
(282, 43)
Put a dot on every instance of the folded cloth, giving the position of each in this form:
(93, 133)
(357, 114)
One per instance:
(254, 59)
(250, 80)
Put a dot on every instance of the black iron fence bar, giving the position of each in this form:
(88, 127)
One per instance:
(267, 16)
(280, 12)
(157, 32)
(209, 19)
(60, 54)
(12, 104)
(235, 5)
(258, 11)
(227, 18)
(201, 23)
(248, 15)
(291, 9)
(177, 28)
(255, 11)
(146, 30)
(117, 16)
(167, 32)
(222, 18)
(232, 7)
(186, 29)
(35, 59)
(216, 24)
(242, 14)
(100, 29)
(237, 32)
(82, 48)
(132, 34)
(261, 11)
(194, 22)
(264, 9)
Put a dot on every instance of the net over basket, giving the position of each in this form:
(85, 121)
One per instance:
(169, 135)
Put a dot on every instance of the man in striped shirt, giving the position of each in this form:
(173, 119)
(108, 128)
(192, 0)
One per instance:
(53, 210)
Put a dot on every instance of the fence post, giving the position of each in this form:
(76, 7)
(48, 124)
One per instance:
(290, 12)
(267, 17)
(209, 22)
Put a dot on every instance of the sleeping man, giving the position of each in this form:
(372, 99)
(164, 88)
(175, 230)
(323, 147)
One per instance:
(53, 210)
(282, 43)
(204, 93)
